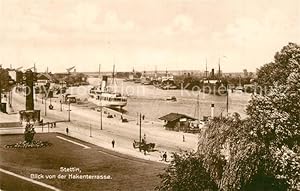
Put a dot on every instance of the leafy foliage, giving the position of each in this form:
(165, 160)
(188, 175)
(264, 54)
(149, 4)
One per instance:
(6, 82)
(235, 158)
(186, 172)
(5, 79)
(29, 133)
(261, 152)
(75, 78)
(285, 62)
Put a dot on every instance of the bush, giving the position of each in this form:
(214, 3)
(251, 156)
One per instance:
(186, 172)
(29, 133)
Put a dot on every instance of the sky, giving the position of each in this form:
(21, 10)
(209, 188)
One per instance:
(145, 34)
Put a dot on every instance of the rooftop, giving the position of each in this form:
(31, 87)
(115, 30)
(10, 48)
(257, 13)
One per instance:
(175, 116)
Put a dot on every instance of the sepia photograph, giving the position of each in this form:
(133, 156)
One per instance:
(149, 95)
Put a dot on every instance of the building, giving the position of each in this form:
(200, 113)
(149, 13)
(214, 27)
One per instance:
(43, 79)
(177, 122)
(12, 74)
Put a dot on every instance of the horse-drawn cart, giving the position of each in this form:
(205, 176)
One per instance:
(143, 146)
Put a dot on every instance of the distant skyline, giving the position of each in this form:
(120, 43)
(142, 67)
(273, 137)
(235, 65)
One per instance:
(145, 34)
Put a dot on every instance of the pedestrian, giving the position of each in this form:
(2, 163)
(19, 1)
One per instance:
(67, 131)
(165, 156)
(113, 143)
(183, 138)
(143, 117)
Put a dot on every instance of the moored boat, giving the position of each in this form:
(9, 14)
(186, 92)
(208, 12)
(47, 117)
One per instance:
(104, 97)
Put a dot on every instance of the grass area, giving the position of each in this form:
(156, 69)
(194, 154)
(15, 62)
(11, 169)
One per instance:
(8, 182)
(127, 173)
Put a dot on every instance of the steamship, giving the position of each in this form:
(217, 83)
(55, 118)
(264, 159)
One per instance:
(103, 96)
(214, 85)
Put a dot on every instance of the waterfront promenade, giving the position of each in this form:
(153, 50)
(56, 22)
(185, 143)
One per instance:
(85, 125)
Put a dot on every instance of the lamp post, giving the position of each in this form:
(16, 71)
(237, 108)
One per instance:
(0, 90)
(140, 132)
(45, 106)
(60, 95)
(101, 108)
(69, 114)
(227, 85)
(140, 127)
(60, 105)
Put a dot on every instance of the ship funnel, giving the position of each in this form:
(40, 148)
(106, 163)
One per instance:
(212, 73)
(104, 83)
(212, 110)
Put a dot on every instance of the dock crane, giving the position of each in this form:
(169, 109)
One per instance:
(17, 69)
(69, 73)
(69, 69)
(30, 68)
(34, 68)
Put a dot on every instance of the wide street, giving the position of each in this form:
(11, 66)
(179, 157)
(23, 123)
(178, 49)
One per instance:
(85, 125)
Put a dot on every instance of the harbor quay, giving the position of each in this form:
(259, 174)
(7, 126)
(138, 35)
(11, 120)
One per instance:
(85, 125)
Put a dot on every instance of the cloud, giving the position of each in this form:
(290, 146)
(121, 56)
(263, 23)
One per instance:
(180, 24)
(248, 34)
(147, 31)
(113, 23)
(244, 30)
(83, 16)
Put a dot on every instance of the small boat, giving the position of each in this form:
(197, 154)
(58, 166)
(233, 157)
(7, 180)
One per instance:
(146, 82)
(168, 83)
(137, 80)
(239, 89)
(172, 98)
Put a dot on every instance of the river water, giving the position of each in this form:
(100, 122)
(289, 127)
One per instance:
(151, 101)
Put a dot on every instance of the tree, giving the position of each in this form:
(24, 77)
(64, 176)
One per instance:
(186, 172)
(262, 151)
(75, 78)
(285, 62)
(276, 116)
(5, 82)
(29, 133)
(278, 112)
(236, 159)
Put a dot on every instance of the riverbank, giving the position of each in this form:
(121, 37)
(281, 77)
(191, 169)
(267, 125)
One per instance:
(86, 122)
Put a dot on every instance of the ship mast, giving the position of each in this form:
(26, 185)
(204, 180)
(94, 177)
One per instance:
(206, 68)
(113, 74)
(99, 74)
(34, 68)
(197, 112)
(219, 75)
